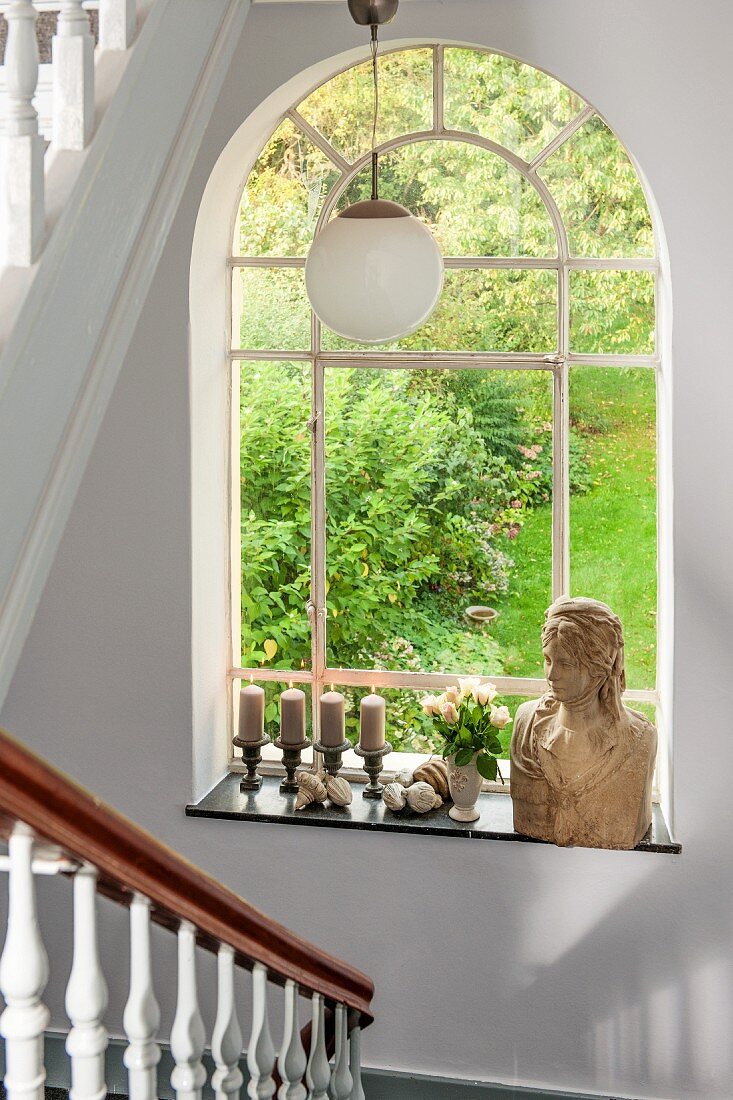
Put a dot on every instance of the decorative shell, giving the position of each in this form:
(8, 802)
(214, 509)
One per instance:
(434, 772)
(312, 789)
(404, 778)
(338, 790)
(421, 797)
(394, 797)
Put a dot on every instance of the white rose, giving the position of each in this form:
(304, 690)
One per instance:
(500, 717)
(449, 712)
(484, 694)
(453, 695)
(430, 705)
(468, 685)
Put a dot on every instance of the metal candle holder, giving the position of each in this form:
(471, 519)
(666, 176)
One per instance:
(291, 763)
(252, 758)
(332, 755)
(373, 766)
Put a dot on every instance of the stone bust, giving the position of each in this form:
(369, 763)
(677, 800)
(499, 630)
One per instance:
(581, 762)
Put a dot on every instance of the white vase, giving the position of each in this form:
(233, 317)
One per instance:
(465, 787)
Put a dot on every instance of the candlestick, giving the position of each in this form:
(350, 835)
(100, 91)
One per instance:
(252, 758)
(333, 718)
(292, 716)
(373, 766)
(291, 762)
(372, 721)
(332, 755)
(251, 713)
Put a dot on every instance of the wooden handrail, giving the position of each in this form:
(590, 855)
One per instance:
(130, 860)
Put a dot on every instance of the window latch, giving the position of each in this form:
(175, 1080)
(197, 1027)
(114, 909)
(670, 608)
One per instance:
(311, 423)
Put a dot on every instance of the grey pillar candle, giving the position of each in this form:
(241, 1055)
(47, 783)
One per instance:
(372, 722)
(251, 713)
(292, 716)
(333, 719)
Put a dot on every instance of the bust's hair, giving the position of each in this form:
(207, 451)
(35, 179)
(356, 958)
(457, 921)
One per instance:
(590, 632)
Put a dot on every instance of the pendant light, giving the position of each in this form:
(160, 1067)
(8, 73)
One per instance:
(374, 273)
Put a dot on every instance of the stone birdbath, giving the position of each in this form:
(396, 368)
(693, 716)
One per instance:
(478, 613)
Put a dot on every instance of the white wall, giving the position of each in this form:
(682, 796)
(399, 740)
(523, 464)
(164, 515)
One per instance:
(528, 964)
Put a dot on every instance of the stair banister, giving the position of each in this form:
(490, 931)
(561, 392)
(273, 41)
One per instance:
(142, 1014)
(23, 977)
(73, 77)
(130, 861)
(54, 826)
(22, 203)
(49, 417)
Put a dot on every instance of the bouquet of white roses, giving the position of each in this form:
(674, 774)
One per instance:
(466, 720)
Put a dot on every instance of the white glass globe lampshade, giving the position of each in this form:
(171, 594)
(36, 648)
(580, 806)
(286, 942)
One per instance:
(374, 273)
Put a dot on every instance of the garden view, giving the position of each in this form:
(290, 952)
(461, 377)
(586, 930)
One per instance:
(439, 482)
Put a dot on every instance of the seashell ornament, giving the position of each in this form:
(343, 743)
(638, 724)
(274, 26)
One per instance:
(394, 797)
(311, 789)
(434, 772)
(421, 798)
(404, 777)
(338, 790)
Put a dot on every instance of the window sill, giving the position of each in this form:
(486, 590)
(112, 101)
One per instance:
(227, 801)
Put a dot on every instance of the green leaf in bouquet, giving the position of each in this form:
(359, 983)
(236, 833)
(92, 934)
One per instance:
(487, 766)
(464, 757)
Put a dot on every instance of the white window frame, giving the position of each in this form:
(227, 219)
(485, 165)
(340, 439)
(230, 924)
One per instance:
(320, 676)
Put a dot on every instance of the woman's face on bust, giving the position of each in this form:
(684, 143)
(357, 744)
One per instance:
(568, 679)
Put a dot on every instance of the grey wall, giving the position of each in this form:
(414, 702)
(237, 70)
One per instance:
(520, 963)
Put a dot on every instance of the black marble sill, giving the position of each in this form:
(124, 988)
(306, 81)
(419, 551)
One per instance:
(227, 801)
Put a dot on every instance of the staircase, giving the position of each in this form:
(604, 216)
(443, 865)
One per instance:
(83, 226)
(55, 828)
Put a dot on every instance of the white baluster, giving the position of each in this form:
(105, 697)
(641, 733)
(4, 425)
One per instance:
(22, 194)
(23, 977)
(292, 1061)
(86, 995)
(142, 1014)
(226, 1041)
(341, 1082)
(318, 1072)
(117, 19)
(73, 77)
(357, 1089)
(261, 1052)
(187, 1034)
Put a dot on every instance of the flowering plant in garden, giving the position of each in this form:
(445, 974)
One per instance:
(465, 720)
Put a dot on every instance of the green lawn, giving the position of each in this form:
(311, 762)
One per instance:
(613, 527)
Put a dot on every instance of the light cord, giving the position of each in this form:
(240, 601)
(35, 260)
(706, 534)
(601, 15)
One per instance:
(375, 74)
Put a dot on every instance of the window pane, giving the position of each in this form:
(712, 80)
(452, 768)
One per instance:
(284, 195)
(599, 195)
(612, 312)
(342, 109)
(431, 478)
(522, 608)
(483, 310)
(613, 524)
(503, 100)
(275, 514)
(270, 309)
(475, 203)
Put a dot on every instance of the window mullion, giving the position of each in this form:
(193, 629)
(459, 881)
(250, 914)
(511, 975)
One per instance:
(561, 447)
(318, 525)
(438, 86)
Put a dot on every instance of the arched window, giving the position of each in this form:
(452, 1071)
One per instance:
(500, 456)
